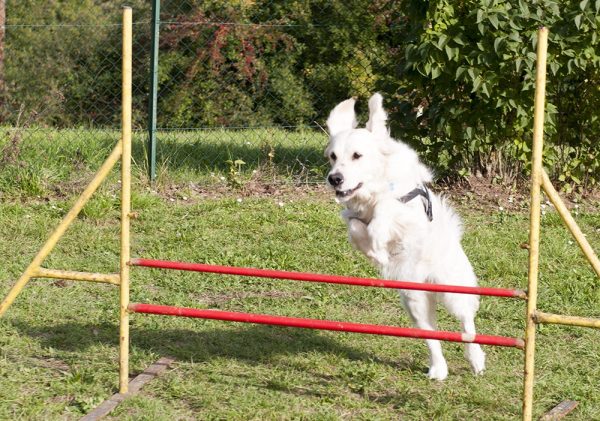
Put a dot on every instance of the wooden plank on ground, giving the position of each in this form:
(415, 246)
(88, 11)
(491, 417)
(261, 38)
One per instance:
(560, 411)
(134, 387)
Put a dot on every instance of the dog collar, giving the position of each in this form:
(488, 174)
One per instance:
(420, 191)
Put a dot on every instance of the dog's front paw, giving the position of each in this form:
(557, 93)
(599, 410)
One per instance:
(358, 235)
(357, 228)
(438, 371)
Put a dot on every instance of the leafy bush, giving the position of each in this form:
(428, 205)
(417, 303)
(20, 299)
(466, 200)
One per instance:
(217, 74)
(467, 79)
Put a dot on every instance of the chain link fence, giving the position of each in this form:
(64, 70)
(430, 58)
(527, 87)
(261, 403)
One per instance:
(244, 84)
(60, 93)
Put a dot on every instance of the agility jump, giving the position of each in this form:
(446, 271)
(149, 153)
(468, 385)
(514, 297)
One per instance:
(122, 151)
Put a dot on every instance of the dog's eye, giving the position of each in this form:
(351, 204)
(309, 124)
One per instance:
(356, 156)
(333, 157)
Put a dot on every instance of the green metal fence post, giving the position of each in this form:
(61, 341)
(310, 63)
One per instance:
(153, 91)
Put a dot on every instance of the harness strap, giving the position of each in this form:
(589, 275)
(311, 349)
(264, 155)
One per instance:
(420, 191)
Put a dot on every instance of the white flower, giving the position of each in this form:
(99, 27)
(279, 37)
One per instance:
(280, 204)
(500, 208)
(239, 200)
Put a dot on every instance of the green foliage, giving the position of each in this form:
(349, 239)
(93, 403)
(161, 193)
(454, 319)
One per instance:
(286, 70)
(63, 60)
(458, 77)
(468, 75)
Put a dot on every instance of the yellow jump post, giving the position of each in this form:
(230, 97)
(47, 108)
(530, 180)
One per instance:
(125, 202)
(535, 213)
(122, 150)
(539, 181)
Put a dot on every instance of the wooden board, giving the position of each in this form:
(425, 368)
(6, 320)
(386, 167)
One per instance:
(134, 387)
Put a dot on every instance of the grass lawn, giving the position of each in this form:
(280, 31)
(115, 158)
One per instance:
(59, 341)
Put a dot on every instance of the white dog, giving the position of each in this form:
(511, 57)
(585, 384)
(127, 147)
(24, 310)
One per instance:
(406, 230)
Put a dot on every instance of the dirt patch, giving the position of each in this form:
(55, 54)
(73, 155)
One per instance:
(487, 195)
(53, 364)
(191, 193)
(475, 193)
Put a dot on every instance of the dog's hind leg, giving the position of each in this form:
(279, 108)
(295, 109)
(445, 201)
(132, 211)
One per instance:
(464, 308)
(421, 308)
(473, 352)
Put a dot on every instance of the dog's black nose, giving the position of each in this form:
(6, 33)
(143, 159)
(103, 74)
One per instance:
(335, 179)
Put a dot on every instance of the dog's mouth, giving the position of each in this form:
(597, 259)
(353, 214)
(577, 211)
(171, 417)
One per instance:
(346, 193)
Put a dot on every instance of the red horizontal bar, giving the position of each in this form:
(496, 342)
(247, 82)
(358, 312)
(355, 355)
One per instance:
(332, 279)
(325, 325)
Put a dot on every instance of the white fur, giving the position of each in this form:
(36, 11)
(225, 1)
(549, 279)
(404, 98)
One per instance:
(373, 171)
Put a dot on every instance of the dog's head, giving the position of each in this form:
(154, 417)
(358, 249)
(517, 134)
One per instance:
(365, 160)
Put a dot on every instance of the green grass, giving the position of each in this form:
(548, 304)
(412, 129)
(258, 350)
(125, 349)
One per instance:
(59, 341)
(40, 161)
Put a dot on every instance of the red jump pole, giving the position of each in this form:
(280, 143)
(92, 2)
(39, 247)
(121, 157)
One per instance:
(325, 325)
(332, 279)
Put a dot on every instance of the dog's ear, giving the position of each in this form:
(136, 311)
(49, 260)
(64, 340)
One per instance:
(377, 116)
(342, 117)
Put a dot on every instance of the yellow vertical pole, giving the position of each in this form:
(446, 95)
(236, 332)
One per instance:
(125, 200)
(534, 228)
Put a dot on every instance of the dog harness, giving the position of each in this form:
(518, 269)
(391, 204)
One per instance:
(420, 191)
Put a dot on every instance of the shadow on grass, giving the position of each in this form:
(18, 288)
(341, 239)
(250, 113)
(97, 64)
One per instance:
(253, 343)
(298, 160)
